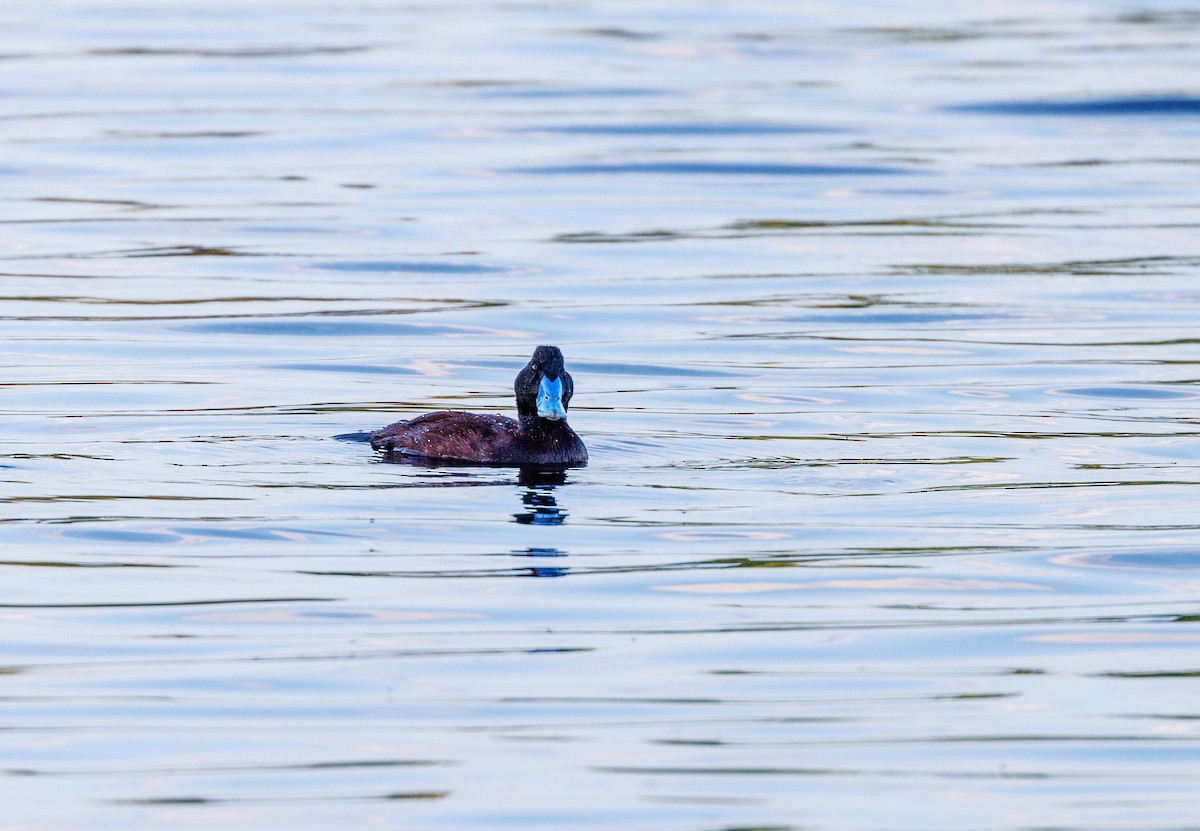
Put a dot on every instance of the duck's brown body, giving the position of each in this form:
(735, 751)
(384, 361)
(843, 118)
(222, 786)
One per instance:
(489, 439)
(538, 436)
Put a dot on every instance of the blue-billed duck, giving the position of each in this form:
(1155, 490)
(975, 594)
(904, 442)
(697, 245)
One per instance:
(539, 435)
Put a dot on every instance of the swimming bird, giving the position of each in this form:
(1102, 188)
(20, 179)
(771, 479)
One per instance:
(539, 435)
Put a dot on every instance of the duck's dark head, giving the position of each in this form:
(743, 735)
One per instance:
(544, 388)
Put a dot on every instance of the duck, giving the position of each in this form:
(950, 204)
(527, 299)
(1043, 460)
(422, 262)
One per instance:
(539, 435)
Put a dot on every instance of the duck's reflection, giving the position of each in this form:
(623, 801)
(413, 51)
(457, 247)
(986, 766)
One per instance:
(544, 570)
(541, 505)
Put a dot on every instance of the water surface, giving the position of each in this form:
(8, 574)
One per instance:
(883, 325)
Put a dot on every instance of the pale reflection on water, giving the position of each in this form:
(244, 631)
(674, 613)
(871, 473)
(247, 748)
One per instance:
(883, 326)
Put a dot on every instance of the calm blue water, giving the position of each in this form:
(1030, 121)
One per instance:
(883, 323)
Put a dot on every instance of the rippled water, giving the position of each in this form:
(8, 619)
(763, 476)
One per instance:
(883, 324)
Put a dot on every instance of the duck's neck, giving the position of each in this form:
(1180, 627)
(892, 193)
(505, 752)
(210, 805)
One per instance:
(535, 425)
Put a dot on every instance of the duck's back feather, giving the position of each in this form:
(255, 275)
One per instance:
(451, 435)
